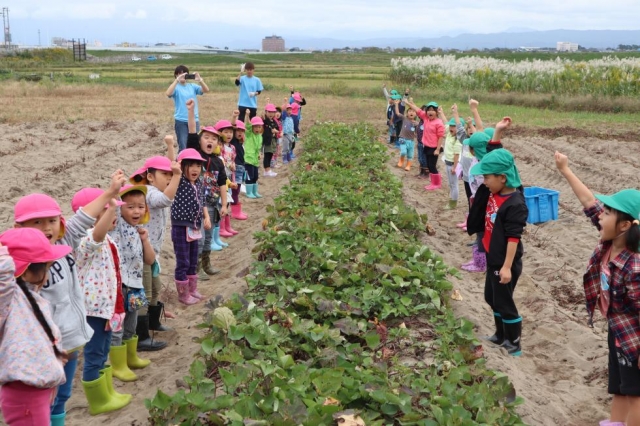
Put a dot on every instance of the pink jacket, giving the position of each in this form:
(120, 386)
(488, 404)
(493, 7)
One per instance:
(26, 353)
(433, 130)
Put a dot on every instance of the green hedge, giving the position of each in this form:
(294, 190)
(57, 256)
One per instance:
(346, 310)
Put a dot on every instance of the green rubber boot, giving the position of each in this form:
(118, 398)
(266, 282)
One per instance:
(100, 400)
(119, 368)
(119, 397)
(133, 361)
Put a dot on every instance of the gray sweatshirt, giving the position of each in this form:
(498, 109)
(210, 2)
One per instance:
(63, 290)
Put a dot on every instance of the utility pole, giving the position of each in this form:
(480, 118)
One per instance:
(7, 30)
(39, 44)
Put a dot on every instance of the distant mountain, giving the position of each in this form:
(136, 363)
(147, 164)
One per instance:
(511, 39)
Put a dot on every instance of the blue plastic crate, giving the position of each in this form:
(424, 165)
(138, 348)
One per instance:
(542, 204)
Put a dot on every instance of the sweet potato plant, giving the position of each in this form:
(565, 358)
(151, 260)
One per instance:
(346, 312)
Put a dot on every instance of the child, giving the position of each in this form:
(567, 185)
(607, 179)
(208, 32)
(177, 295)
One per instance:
(227, 155)
(407, 135)
(269, 138)
(161, 176)
(612, 285)
(505, 218)
(466, 158)
(238, 144)
(422, 159)
(252, 145)
(99, 272)
(432, 139)
(288, 133)
(452, 151)
(31, 358)
(250, 87)
(397, 116)
(188, 215)
(181, 91)
(134, 251)
(63, 289)
(278, 153)
(296, 97)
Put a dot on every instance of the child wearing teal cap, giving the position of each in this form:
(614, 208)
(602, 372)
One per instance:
(612, 284)
(505, 219)
(452, 152)
(407, 136)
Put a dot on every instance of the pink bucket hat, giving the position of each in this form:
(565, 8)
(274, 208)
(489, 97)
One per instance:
(297, 97)
(210, 129)
(34, 206)
(29, 245)
(287, 106)
(270, 108)
(158, 162)
(257, 121)
(86, 196)
(295, 108)
(223, 124)
(240, 125)
(190, 154)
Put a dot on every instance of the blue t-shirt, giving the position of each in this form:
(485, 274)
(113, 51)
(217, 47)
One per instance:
(247, 85)
(181, 94)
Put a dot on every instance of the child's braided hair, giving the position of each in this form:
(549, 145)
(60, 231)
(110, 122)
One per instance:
(38, 268)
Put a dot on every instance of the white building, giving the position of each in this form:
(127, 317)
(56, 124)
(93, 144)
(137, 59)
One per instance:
(566, 46)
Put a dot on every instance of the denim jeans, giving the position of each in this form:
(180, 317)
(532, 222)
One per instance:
(204, 243)
(96, 351)
(182, 131)
(422, 158)
(64, 390)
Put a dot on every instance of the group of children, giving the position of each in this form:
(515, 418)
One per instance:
(91, 283)
(497, 216)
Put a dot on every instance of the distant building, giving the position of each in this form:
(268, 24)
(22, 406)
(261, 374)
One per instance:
(273, 43)
(565, 46)
(61, 42)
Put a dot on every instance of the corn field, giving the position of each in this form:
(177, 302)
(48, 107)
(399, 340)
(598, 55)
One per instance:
(608, 76)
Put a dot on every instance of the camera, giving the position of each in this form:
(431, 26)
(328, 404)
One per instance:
(190, 77)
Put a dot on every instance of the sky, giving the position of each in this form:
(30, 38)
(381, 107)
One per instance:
(242, 24)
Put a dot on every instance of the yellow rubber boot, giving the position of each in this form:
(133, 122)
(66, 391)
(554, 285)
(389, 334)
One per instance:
(132, 354)
(408, 168)
(99, 398)
(119, 368)
(124, 398)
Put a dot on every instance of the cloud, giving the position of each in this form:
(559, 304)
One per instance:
(139, 14)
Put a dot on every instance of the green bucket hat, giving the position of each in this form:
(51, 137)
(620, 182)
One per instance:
(396, 97)
(626, 201)
(490, 131)
(499, 162)
(452, 122)
(433, 104)
(478, 141)
(394, 92)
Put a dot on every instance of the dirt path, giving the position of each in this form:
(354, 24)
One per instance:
(562, 373)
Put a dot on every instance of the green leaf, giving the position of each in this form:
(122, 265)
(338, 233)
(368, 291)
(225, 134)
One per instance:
(372, 339)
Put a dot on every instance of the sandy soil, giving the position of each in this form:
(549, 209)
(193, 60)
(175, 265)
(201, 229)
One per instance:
(562, 373)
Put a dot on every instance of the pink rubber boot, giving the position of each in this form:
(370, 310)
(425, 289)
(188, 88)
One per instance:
(479, 262)
(183, 293)
(193, 287)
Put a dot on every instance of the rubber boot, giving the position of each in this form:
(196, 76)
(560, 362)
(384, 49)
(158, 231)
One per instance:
(193, 287)
(227, 220)
(216, 238)
(463, 224)
(58, 419)
(452, 205)
(183, 293)
(498, 336)
(206, 264)
(100, 401)
(120, 397)
(237, 213)
(133, 361)
(512, 334)
(119, 367)
(203, 276)
(250, 190)
(436, 182)
(408, 167)
(401, 162)
(255, 191)
(224, 232)
(479, 261)
(421, 174)
(146, 343)
(155, 313)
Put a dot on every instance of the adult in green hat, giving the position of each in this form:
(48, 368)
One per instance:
(612, 283)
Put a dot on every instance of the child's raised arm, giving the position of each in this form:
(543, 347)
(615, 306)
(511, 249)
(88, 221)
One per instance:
(171, 150)
(584, 194)
(473, 105)
(104, 224)
(172, 188)
(191, 105)
(94, 208)
(441, 115)
(234, 117)
(501, 126)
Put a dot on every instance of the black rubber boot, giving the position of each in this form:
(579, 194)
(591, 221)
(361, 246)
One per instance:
(512, 334)
(145, 342)
(155, 313)
(498, 337)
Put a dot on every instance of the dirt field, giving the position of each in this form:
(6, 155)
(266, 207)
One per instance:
(562, 373)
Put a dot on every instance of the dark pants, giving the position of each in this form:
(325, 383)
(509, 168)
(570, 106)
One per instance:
(252, 173)
(186, 253)
(296, 124)
(96, 351)
(467, 190)
(64, 390)
(243, 112)
(624, 375)
(500, 296)
(432, 160)
(266, 161)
